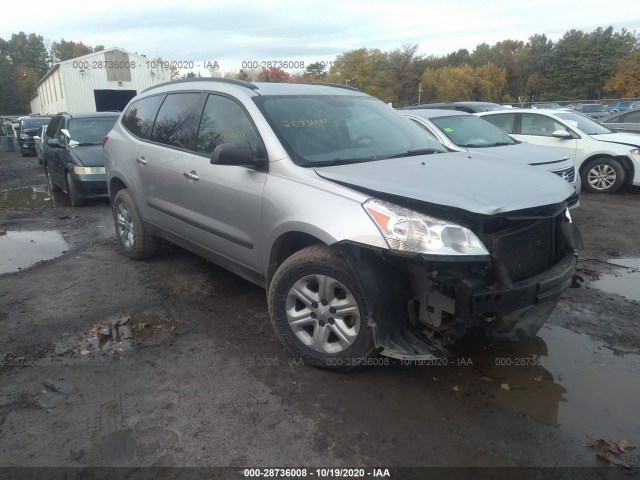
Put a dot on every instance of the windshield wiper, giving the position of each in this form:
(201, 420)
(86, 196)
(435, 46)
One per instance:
(484, 145)
(340, 161)
(418, 151)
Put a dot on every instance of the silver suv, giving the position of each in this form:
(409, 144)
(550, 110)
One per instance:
(366, 235)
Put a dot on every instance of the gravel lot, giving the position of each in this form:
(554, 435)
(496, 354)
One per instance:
(173, 361)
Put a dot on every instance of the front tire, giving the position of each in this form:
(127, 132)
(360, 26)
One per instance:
(74, 197)
(318, 310)
(133, 237)
(603, 175)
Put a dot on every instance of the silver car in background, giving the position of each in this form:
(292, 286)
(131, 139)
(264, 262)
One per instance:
(366, 235)
(463, 132)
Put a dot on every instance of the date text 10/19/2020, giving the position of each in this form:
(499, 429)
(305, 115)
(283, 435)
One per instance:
(84, 65)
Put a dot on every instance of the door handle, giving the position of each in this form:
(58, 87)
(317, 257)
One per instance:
(141, 160)
(191, 175)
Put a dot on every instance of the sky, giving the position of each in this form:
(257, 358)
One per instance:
(307, 31)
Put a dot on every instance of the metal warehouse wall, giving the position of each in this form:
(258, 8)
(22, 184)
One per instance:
(71, 87)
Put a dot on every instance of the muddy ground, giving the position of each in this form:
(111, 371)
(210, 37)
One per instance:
(173, 362)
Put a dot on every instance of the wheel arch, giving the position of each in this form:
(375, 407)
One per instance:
(115, 185)
(625, 161)
(286, 245)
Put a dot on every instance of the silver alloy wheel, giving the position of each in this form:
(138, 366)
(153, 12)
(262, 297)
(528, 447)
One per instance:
(323, 313)
(125, 226)
(601, 177)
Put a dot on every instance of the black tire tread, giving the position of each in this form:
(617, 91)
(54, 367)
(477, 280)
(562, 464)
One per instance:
(333, 264)
(144, 245)
(615, 164)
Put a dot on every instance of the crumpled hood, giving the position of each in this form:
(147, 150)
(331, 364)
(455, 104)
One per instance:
(623, 138)
(526, 154)
(89, 155)
(483, 185)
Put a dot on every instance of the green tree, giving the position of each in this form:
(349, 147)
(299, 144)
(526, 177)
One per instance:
(316, 72)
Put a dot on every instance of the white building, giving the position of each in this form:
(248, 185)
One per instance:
(96, 82)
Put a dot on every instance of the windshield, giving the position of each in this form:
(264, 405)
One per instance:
(584, 124)
(28, 124)
(89, 131)
(593, 108)
(334, 129)
(472, 132)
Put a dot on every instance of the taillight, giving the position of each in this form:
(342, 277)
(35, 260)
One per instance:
(104, 140)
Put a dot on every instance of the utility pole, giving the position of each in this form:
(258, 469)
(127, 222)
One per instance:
(419, 92)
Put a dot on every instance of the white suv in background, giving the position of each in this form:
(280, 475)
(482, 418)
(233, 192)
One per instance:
(606, 160)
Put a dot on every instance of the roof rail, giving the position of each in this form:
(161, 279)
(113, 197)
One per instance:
(240, 83)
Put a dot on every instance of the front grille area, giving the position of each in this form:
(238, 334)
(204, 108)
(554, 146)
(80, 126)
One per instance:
(525, 250)
(569, 174)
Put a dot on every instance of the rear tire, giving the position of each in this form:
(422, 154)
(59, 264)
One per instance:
(134, 239)
(318, 310)
(603, 175)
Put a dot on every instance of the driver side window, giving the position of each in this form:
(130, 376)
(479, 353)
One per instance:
(539, 125)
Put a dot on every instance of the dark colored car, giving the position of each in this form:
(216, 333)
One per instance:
(28, 128)
(73, 154)
(469, 107)
(627, 121)
(593, 110)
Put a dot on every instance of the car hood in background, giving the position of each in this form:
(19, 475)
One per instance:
(632, 139)
(89, 155)
(525, 154)
(483, 185)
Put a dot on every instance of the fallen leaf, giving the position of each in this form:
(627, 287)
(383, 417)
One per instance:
(612, 457)
(142, 326)
(84, 351)
(597, 443)
(487, 379)
(173, 327)
(456, 388)
(94, 329)
(541, 377)
(623, 445)
(505, 386)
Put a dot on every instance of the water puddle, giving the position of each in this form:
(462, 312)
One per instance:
(38, 196)
(116, 335)
(560, 378)
(19, 250)
(625, 281)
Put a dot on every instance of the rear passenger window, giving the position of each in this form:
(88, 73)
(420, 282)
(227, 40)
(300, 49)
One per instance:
(138, 118)
(505, 121)
(224, 121)
(177, 121)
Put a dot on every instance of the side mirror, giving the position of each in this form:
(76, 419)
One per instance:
(54, 142)
(563, 134)
(235, 153)
(73, 143)
(37, 138)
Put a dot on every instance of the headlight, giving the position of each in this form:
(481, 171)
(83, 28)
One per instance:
(88, 170)
(635, 151)
(410, 231)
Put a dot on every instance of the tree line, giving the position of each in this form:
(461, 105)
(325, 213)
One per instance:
(580, 65)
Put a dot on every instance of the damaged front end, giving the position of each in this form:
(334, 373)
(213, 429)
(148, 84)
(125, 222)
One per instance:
(501, 275)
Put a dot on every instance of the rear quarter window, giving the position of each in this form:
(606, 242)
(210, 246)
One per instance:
(139, 117)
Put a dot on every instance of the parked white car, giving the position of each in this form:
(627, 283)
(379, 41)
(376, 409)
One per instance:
(464, 132)
(606, 160)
